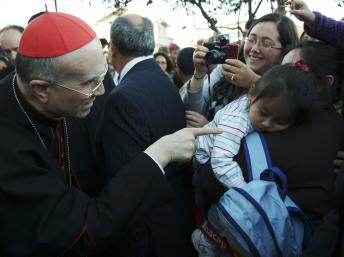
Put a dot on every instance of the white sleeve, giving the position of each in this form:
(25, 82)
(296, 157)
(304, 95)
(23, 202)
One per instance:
(235, 125)
(205, 143)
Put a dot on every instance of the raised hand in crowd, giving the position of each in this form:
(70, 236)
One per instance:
(238, 73)
(301, 11)
(195, 119)
(201, 41)
(198, 59)
(317, 25)
(201, 67)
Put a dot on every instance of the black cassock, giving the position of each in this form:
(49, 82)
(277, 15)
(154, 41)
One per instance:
(41, 215)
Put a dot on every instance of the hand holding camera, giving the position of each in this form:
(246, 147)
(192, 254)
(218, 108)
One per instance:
(220, 51)
(239, 74)
(198, 60)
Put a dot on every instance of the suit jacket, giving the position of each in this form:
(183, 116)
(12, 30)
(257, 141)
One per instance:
(144, 107)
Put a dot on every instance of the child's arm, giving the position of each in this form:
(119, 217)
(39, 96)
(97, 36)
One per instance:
(205, 143)
(235, 126)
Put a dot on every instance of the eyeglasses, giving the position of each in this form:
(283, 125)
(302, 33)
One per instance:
(97, 84)
(266, 44)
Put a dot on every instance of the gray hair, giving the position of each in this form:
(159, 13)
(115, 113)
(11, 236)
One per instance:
(133, 40)
(29, 68)
(20, 29)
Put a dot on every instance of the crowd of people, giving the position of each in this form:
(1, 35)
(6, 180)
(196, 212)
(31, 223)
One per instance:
(108, 147)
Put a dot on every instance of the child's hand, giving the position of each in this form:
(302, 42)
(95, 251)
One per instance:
(195, 119)
(339, 161)
(301, 11)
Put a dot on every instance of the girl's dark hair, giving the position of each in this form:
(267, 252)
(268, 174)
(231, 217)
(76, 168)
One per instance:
(292, 83)
(169, 66)
(323, 60)
(286, 30)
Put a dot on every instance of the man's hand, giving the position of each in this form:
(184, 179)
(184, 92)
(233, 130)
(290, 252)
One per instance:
(179, 146)
(301, 11)
(195, 119)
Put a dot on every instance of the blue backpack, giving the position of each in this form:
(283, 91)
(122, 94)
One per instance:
(259, 219)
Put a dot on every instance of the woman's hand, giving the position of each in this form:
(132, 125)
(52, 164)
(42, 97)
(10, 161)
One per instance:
(198, 60)
(301, 11)
(238, 73)
(195, 119)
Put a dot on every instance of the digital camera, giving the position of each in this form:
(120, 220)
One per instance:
(220, 50)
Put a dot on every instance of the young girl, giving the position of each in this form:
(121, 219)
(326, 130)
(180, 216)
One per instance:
(282, 97)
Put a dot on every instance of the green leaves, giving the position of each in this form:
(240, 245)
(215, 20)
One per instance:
(210, 9)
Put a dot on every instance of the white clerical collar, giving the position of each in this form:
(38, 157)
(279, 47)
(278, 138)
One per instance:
(130, 65)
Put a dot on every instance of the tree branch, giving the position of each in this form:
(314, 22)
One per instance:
(255, 11)
(212, 22)
(232, 28)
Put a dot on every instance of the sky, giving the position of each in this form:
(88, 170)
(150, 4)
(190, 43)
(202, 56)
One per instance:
(180, 24)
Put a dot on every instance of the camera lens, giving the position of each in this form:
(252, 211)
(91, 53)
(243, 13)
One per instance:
(215, 57)
(210, 45)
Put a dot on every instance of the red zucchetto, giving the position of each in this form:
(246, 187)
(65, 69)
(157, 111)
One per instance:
(54, 34)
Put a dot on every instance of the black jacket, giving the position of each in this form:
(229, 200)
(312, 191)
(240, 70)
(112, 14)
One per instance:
(40, 214)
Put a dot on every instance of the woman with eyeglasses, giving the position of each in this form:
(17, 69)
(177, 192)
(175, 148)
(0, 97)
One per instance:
(164, 62)
(268, 40)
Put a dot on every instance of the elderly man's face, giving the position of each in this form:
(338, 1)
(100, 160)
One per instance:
(9, 42)
(83, 71)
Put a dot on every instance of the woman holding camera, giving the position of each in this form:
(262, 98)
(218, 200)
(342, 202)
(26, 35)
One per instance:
(268, 40)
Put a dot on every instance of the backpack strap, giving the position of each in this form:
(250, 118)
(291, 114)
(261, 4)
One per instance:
(259, 165)
(257, 155)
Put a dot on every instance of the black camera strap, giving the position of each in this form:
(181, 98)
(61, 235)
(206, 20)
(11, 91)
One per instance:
(209, 88)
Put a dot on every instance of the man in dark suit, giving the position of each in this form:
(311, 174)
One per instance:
(144, 107)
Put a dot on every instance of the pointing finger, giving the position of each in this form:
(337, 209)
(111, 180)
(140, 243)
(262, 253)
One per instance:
(205, 131)
(191, 112)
